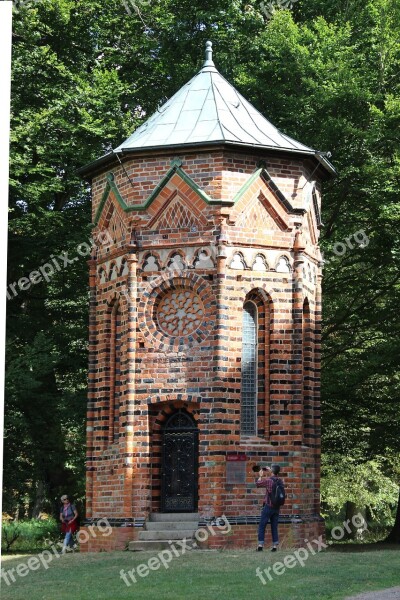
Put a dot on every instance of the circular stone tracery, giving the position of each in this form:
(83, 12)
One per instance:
(155, 335)
(180, 312)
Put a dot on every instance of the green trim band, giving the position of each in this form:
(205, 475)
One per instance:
(175, 168)
(111, 186)
(267, 179)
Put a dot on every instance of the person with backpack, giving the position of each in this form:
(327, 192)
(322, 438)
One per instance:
(69, 523)
(273, 500)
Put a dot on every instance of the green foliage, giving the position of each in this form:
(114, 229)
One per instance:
(363, 484)
(375, 533)
(361, 290)
(85, 74)
(10, 532)
(29, 535)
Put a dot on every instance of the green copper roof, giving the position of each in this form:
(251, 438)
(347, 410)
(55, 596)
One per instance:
(209, 109)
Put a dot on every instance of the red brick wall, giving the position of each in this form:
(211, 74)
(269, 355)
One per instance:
(237, 536)
(291, 535)
(220, 174)
(94, 540)
(158, 373)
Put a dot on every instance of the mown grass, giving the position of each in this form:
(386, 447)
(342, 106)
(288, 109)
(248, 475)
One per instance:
(199, 575)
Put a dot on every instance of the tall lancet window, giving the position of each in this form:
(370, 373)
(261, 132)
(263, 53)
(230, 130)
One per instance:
(308, 415)
(115, 371)
(248, 424)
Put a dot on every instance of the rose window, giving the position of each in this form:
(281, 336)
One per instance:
(180, 312)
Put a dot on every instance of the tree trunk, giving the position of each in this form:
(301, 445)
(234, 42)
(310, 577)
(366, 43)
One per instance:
(351, 511)
(39, 500)
(394, 535)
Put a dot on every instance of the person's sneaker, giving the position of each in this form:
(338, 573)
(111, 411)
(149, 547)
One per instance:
(260, 549)
(274, 549)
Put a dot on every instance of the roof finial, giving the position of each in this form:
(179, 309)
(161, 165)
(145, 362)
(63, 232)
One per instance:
(209, 61)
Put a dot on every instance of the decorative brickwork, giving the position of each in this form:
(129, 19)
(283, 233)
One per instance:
(205, 320)
(166, 334)
(180, 312)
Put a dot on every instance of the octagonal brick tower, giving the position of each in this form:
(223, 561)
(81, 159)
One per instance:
(205, 316)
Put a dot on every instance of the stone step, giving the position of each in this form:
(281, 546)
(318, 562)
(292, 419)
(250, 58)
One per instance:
(163, 528)
(157, 517)
(171, 525)
(155, 545)
(160, 534)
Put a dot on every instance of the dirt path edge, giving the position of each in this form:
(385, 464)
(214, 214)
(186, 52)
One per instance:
(390, 594)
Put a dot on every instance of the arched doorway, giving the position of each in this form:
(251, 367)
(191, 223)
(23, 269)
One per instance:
(179, 464)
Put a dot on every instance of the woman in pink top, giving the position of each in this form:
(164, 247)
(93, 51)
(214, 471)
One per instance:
(68, 518)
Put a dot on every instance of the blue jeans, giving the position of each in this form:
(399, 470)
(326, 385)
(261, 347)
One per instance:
(272, 515)
(68, 540)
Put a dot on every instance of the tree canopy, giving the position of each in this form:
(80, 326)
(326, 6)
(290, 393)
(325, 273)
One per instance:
(85, 74)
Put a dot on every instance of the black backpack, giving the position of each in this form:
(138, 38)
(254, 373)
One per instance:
(278, 495)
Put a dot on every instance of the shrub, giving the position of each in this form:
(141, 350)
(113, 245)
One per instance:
(29, 536)
(364, 484)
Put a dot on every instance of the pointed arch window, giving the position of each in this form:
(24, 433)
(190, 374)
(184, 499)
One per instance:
(255, 365)
(248, 425)
(308, 412)
(115, 372)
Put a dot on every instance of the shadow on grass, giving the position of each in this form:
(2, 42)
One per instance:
(373, 547)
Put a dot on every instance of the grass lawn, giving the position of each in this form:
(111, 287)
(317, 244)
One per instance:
(199, 575)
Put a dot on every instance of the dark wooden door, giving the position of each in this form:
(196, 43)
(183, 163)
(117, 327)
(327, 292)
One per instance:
(179, 464)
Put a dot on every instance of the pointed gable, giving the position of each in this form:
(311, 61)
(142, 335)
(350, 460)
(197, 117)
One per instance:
(192, 196)
(110, 216)
(257, 218)
(261, 206)
(180, 195)
(312, 223)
